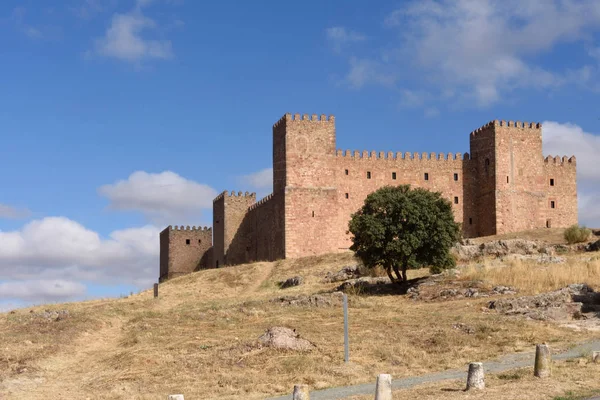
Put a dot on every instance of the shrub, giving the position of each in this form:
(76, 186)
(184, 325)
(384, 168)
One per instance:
(577, 234)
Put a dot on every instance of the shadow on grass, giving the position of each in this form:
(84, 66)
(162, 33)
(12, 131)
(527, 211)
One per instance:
(379, 287)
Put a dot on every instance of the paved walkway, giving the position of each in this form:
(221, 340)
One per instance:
(504, 363)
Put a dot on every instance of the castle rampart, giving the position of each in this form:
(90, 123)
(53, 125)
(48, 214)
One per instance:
(503, 184)
(183, 250)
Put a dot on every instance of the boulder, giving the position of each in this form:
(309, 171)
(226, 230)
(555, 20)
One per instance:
(290, 282)
(594, 246)
(315, 300)
(284, 338)
(348, 272)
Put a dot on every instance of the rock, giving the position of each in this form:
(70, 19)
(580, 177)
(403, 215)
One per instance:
(500, 248)
(471, 292)
(315, 300)
(448, 293)
(52, 315)
(464, 327)
(290, 282)
(284, 338)
(595, 246)
(475, 376)
(504, 290)
(348, 272)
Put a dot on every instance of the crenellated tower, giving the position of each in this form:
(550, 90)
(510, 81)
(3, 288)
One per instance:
(184, 250)
(229, 213)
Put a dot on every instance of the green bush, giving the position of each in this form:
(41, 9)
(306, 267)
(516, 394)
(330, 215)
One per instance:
(577, 234)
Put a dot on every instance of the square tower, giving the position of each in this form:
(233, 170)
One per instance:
(184, 250)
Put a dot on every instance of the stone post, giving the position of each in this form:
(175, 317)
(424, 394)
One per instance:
(596, 357)
(301, 392)
(475, 378)
(175, 397)
(543, 361)
(155, 290)
(383, 389)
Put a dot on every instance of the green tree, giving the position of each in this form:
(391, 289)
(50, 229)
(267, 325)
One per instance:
(400, 228)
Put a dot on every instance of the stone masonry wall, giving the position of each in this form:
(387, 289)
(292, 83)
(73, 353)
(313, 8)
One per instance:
(358, 174)
(481, 189)
(187, 247)
(233, 207)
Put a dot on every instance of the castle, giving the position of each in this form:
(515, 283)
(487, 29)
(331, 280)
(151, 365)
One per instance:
(503, 185)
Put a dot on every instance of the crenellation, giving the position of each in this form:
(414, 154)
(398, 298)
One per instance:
(316, 187)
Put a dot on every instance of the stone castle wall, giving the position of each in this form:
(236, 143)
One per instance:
(503, 185)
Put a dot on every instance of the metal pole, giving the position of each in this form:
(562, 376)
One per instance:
(346, 347)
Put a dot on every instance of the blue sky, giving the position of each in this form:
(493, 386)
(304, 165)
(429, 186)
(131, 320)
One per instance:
(119, 117)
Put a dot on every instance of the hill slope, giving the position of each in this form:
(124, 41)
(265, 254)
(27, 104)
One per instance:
(200, 337)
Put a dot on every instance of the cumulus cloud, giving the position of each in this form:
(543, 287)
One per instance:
(47, 259)
(484, 49)
(164, 197)
(569, 139)
(10, 212)
(262, 179)
(364, 71)
(339, 37)
(126, 38)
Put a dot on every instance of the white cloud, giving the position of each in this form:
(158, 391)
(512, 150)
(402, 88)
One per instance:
(364, 71)
(262, 179)
(485, 49)
(49, 258)
(339, 37)
(125, 39)
(162, 197)
(7, 211)
(18, 17)
(46, 290)
(569, 139)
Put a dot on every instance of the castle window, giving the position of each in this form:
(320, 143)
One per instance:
(346, 171)
(187, 241)
(552, 204)
(217, 263)
(313, 214)
(470, 221)
(487, 165)
(426, 176)
(507, 179)
(393, 175)
(199, 241)
(551, 182)
(455, 200)
(455, 177)
(346, 195)
(548, 223)
(368, 174)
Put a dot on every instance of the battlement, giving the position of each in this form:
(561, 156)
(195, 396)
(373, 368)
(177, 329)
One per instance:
(187, 228)
(261, 202)
(226, 193)
(390, 155)
(517, 124)
(561, 161)
(288, 117)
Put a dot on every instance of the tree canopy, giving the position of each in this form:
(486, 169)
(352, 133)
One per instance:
(400, 228)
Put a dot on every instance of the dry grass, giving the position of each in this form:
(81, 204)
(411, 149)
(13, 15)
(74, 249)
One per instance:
(532, 278)
(571, 380)
(198, 338)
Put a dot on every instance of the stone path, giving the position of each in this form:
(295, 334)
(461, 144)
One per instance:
(504, 363)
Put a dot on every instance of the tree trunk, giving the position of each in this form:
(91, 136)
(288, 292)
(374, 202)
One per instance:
(397, 272)
(388, 269)
(404, 276)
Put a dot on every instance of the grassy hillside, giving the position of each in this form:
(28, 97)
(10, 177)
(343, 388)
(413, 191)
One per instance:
(199, 337)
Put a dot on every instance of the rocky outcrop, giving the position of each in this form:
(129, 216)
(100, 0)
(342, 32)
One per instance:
(564, 304)
(315, 300)
(291, 282)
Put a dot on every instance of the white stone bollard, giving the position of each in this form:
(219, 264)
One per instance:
(596, 357)
(543, 361)
(301, 392)
(175, 397)
(383, 389)
(476, 377)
